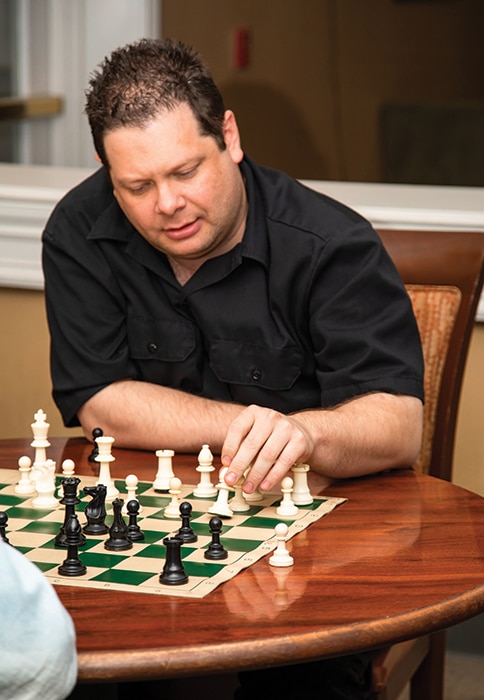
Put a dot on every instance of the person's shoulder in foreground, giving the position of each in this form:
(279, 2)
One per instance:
(38, 651)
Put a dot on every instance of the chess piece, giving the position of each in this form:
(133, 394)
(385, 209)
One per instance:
(72, 565)
(44, 481)
(256, 494)
(68, 468)
(134, 530)
(95, 510)
(40, 428)
(281, 556)
(287, 508)
(70, 501)
(3, 526)
(165, 470)
(215, 549)
(238, 503)
(301, 494)
(104, 459)
(221, 506)
(131, 487)
(118, 532)
(205, 488)
(172, 510)
(25, 485)
(185, 533)
(97, 432)
(173, 573)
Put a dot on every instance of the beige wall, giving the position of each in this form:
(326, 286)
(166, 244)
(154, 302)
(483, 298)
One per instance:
(25, 384)
(24, 365)
(321, 71)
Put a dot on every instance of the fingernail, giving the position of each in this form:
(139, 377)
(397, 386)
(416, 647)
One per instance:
(226, 459)
(230, 478)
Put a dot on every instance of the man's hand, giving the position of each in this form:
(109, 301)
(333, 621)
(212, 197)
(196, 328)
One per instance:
(269, 441)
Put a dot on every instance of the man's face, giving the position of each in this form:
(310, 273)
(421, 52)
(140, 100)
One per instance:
(179, 190)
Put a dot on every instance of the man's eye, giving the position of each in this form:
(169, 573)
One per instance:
(139, 190)
(187, 173)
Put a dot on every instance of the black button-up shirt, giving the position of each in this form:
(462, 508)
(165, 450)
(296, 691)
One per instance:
(306, 311)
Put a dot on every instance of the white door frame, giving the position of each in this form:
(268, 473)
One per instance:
(59, 44)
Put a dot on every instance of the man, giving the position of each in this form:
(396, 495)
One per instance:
(38, 651)
(194, 297)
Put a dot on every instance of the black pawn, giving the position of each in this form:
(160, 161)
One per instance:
(95, 510)
(215, 549)
(134, 530)
(97, 432)
(173, 573)
(72, 566)
(185, 533)
(118, 532)
(3, 526)
(70, 501)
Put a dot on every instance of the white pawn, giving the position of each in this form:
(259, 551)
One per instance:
(238, 503)
(221, 506)
(281, 556)
(172, 510)
(287, 507)
(68, 468)
(131, 488)
(25, 484)
(45, 486)
(205, 488)
(301, 494)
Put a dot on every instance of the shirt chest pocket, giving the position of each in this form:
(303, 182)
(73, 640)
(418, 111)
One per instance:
(159, 339)
(250, 364)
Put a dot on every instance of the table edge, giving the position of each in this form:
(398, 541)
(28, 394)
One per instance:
(226, 657)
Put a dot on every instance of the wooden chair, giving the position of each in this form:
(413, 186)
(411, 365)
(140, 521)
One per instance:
(444, 273)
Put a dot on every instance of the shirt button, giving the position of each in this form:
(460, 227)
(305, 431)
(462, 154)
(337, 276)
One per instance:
(152, 347)
(256, 374)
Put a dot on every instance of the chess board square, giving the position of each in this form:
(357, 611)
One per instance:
(250, 532)
(240, 545)
(45, 526)
(133, 578)
(29, 539)
(153, 551)
(153, 536)
(159, 502)
(11, 500)
(102, 560)
(141, 563)
(45, 566)
(26, 513)
(203, 568)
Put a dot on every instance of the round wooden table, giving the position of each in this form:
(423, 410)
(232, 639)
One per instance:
(404, 556)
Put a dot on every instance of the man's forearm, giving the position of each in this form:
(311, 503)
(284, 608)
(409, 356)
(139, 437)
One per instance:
(365, 435)
(147, 416)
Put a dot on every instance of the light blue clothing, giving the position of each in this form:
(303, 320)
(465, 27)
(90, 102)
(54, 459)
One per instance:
(37, 637)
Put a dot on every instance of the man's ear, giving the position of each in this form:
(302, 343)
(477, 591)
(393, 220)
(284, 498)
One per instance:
(232, 136)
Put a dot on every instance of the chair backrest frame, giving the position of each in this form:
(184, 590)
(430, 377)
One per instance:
(449, 259)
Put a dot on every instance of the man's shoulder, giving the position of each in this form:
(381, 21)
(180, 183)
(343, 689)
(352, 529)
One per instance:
(291, 203)
(95, 188)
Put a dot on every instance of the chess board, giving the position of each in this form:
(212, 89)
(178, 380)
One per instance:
(246, 536)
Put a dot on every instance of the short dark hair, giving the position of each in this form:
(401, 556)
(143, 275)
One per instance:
(140, 80)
